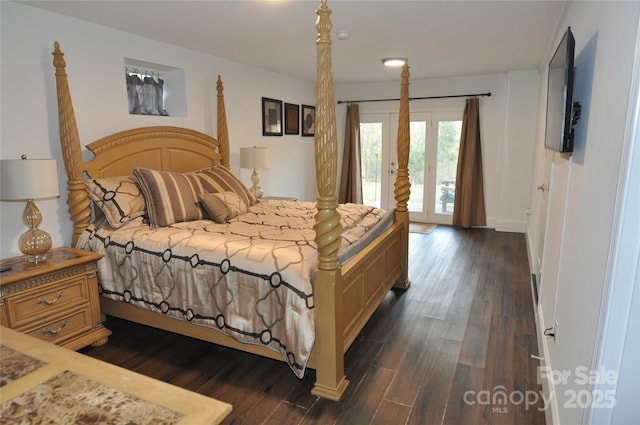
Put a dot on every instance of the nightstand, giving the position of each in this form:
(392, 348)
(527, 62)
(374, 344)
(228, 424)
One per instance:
(279, 198)
(57, 301)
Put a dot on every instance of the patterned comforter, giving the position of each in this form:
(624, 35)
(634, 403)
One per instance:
(251, 278)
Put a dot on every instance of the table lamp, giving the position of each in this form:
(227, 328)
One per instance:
(256, 158)
(25, 180)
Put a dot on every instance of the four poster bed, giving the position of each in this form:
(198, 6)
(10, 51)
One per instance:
(156, 254)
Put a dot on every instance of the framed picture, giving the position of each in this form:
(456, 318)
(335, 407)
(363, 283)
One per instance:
(271, 117)
(308, 120)
(291, 118)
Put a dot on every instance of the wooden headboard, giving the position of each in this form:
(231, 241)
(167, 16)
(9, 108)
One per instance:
(159, 148)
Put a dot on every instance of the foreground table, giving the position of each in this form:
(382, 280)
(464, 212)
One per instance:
(44, 383)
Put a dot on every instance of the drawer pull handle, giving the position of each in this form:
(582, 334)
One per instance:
(57, 331)
(52, 302)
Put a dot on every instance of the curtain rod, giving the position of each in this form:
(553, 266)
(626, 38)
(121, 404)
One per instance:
(488, 94)
(146, 72)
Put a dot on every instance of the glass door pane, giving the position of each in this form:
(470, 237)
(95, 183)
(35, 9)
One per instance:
(376, 164)
(418, 131)
(371, 162)
(446, 165)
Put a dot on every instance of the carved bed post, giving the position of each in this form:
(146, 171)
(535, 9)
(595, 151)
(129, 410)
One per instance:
(330, 380)
(402, 184)
(78, 200)
(223, 131)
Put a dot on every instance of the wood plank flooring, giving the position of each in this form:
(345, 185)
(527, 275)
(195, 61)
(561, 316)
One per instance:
(453, 349)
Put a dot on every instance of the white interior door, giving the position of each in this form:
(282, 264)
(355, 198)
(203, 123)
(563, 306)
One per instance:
(542, 223)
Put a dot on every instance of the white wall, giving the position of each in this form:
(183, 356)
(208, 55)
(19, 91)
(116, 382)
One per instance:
(95, 58)
(581, 216)
(507, 137)
(521, 114)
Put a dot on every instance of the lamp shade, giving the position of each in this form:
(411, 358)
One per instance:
(23, 179)
(254, 158)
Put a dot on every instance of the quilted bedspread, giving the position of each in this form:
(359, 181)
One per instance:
(250, 278)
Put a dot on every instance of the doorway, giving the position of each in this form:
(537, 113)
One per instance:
(433, 159)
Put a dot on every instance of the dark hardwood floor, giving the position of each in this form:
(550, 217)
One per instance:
(453, 349)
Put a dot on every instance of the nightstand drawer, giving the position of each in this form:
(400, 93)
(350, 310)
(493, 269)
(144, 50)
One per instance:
(64, 327)
(29, 307)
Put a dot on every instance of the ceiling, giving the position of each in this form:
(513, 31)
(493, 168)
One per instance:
(440, 38)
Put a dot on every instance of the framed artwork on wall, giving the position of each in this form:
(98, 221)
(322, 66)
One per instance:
(271, 117)
(308, 120)
(291, 118)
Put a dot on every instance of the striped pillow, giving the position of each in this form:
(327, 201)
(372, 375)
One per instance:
(219, 179)
(170, 197)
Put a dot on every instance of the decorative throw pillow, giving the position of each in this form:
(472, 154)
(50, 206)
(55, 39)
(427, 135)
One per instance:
(223, 206)
(219, 179)
(170, 197)
(119, 198)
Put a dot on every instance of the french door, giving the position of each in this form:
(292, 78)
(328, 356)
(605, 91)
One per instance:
(433, 159)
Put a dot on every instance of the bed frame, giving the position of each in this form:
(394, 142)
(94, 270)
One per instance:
(345, 296)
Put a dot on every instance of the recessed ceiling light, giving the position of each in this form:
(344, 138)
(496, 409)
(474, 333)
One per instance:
(394, 61)
(343, 35)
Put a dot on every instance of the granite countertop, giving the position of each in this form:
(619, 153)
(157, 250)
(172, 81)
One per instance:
(69, 398)
(42, 383)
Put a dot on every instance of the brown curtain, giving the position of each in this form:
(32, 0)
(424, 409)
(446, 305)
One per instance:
(468, 210)
(351, 176)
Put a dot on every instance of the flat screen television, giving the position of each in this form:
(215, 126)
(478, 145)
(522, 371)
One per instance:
(562, 112)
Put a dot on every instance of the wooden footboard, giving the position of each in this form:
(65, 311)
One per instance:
(367, 279)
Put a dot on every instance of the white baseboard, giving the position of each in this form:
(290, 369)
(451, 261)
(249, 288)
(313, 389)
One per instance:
(514, 226)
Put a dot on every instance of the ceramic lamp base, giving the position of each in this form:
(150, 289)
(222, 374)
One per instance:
(255, 190)
(34, 243)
